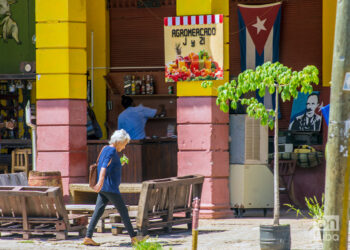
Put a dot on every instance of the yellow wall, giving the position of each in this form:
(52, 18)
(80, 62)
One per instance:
(98, 22)
(60, 49)
(328, 24)
(203, 7)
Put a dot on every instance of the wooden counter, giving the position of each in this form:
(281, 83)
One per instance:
(148, 158)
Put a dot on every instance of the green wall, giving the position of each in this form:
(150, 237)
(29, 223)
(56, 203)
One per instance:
(11, 53)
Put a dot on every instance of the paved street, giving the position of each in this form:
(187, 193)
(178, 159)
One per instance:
(242, 233)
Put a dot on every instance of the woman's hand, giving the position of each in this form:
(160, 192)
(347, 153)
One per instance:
(97, 188)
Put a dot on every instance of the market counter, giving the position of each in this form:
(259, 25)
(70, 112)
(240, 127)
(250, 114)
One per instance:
(148, 158)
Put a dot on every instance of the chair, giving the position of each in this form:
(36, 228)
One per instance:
(4, 168)
(286, 173)
(20, 160)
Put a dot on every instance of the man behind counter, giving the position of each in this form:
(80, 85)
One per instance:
(133, 119)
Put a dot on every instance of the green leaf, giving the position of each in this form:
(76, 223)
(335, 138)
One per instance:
(271, 89)
(124, 159)
(233, 105)
(224, 107)
(221, 88)
(261, 92)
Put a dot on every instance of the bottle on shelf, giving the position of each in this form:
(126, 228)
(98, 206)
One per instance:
(133, 85)
(170, 90)
(162, 111)
(143, 86)
(151, 91)
(127, 85)
(138, 86)
(148, 85)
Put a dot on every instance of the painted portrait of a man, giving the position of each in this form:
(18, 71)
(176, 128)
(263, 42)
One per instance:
(304, 116)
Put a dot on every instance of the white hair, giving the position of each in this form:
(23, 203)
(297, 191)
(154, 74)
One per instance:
(119, 136)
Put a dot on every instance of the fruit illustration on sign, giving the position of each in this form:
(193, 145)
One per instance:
(192, 67)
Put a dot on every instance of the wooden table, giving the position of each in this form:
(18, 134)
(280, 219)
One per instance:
(81, 193)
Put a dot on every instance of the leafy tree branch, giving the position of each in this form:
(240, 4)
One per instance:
(271, 76)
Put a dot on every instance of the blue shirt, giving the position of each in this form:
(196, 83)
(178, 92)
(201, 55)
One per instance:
(133, 120)
(114, 169)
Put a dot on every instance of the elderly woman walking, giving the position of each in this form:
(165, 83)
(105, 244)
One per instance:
(107, 187)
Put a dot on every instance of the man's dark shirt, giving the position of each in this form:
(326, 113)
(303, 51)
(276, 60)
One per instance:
(304, 123)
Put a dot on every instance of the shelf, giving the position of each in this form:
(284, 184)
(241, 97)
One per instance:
(8, 96)
(153, 96)
(22, 76)
(8, 108)
(162, 118)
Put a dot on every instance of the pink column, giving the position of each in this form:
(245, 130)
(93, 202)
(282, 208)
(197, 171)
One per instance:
(203, 149)
(61, 139)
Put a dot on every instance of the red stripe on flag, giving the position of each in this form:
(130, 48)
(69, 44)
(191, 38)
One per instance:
(189, 20)
(165, 21)
(181, 20)
(174, 21)
(212, 18)
(197, 19)
(205, 19)
(221, 18)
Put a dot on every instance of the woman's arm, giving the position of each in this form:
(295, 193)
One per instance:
(106, 160)
(101, 179)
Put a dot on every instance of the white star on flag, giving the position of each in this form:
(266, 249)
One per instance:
(259, 24)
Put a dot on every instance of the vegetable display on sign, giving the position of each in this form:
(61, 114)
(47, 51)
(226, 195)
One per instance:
(193, 48)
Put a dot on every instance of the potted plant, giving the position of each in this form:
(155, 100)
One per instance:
(286, 83)
(315, 211)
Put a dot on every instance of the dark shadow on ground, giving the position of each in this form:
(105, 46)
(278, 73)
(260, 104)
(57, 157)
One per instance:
(41, 237)
(259, 213)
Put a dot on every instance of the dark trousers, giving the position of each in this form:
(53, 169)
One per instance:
(102, 199)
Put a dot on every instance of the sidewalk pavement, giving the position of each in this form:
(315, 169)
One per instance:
(236, 233)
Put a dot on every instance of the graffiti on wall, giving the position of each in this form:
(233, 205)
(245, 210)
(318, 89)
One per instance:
(8, 27)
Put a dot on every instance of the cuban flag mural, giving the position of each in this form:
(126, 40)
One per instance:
(259, 33)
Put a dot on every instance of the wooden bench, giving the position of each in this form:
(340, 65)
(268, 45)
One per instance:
(81, 193)
(163, 203)
(27, 210)
(89, 210)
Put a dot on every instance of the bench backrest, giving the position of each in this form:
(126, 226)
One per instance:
(24, 202)
(168, 196)
(15, 179)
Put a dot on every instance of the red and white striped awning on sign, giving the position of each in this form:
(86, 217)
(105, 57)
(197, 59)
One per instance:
(192, 20)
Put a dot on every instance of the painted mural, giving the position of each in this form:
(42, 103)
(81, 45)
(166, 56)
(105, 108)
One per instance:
(17, 34)
(306, 113)
(8, 26)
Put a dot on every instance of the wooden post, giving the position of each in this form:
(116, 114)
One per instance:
(337, 172)
(195, 215)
